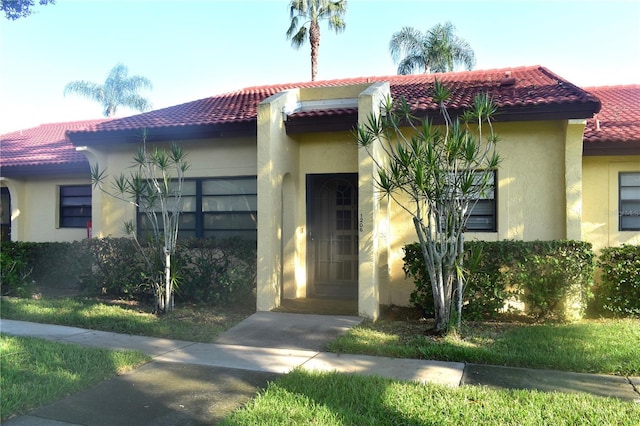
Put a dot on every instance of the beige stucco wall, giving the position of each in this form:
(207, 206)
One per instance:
(532, 201)
(284, 161)
(600, 200)
(231, 157)
(539, 196)
(35, 208)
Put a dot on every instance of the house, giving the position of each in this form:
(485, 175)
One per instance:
(611, 169)
(44, 184)
(286, 156)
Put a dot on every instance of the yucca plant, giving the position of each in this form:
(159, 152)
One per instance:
(436, 173)
(155, 187)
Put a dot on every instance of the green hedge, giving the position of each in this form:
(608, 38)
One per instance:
(618, 292)
(552, 278)
(206, 271)
(26, 264)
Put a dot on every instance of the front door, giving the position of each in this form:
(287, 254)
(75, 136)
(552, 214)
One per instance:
(332, 212)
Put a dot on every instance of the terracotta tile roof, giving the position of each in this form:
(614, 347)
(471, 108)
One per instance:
(619, 118)
(513, 89)
(518, 91)
(42, 145)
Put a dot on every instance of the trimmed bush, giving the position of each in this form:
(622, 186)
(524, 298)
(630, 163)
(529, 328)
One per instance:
(118, 269)
(15, 275)
(216, 271)
(618, 292)
(211, 271)
(43, 264)
(551, 278)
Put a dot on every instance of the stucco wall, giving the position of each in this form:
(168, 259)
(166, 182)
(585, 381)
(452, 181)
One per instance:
(35, 209)
(207, 158)
(600, 200)
(531, 203)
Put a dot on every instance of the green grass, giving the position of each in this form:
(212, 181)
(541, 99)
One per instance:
(187, 322)
(304, 398)
(601, 346)
(37, 371)
(605, 346)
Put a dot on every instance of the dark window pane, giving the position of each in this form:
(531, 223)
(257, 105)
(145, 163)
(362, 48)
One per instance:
(630, 223)
(76, 201)
(229, 203)
(482, 217)
(217, 207)
(629, 201)
(343, 220)
(343, 195)
(75, 191)
(230, 186)
(75, 206)
(229, 221)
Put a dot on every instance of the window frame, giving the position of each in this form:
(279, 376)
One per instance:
(199, 215)
(622, 211)
(494, 204)
(65, 207)
(5, 226)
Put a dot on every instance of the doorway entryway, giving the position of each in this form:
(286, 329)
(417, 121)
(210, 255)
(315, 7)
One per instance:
(332, 239)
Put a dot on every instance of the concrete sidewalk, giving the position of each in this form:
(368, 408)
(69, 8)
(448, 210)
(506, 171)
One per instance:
(195, 383)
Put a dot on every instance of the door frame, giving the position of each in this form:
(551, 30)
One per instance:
(311, 180)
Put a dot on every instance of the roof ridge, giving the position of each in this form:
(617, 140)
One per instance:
(613, 86)
(65, 124)
(374, 78)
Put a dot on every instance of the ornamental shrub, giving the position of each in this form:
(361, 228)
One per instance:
(118, 269)
(216, 271)
(58, 264)
(15, 275)
(212, 271)
(551, 278)
(618, 292)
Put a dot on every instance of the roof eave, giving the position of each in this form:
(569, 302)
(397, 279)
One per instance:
(46, 169)
(347, 122)
(164, 134)
(602, 148)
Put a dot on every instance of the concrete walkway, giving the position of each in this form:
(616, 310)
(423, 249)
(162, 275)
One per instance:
(195, 383)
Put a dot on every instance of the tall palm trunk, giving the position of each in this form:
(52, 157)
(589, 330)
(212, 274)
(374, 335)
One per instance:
(314, 40)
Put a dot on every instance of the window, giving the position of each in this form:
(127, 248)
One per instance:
(482, 217)
(629, 201)
(5, 214)
(217, 207)
(75, 206)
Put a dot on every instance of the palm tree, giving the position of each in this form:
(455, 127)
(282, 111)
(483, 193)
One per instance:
(118, 90)
(310, 12)
(437, 50)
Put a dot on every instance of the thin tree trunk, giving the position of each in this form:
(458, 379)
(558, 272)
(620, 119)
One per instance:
(314, 40)
(460, 277)
(168, 305)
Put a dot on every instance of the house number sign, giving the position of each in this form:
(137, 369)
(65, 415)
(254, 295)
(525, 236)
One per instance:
(361, 224)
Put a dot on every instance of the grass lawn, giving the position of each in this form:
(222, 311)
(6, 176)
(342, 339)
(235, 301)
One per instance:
(304, 398)
(601, 346)
(37, 371)
(187, 322)
(606, 346)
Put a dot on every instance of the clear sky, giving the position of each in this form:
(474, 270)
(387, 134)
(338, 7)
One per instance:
(192, 49)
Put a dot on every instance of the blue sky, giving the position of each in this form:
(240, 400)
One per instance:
(192, 49)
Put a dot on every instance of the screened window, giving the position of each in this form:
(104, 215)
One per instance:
(5, 214)
(75, 206)
(483, 214)
(629, 200)
(216, 207)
